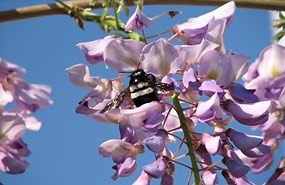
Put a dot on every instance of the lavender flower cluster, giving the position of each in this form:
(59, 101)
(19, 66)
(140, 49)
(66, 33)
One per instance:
(15, 121)
(205, 76)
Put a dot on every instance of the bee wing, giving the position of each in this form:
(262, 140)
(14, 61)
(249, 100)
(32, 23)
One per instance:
(116, 102)
(163, 88)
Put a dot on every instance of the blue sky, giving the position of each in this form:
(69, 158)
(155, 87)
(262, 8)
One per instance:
(64, 151)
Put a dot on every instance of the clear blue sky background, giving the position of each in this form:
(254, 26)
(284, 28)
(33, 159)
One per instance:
(64, 151)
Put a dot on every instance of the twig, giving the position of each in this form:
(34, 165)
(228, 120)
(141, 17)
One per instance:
(179, 157)
(177, 137)
(189, 179)
(178, 150)
(182, 164)
(56, 9)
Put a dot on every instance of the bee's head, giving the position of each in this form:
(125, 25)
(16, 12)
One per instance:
(138, 72)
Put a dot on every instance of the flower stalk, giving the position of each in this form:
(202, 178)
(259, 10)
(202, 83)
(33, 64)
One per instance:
(187, 136)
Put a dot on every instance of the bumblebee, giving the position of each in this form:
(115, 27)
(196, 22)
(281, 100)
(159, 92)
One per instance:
(143, 88)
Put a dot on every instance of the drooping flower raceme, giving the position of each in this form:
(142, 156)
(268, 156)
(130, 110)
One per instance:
(14, 122)
(204, 76)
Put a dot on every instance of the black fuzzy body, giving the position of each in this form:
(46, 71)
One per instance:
(142, 88)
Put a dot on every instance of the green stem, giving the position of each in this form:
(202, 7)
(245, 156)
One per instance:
(116, 16)
(69, 8)
(113, 22)
(105, 13)
(188, 138)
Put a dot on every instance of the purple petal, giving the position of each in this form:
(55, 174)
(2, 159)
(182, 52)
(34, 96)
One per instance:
(18, 147)
(218, 66)
(262, 163)
(239, 63)
(271, 128)
(31, 96)
(271, 63)
(169, 80)
(94, 50)
(236, 168)
(136, 121)
(5, 96)
(31, 122)
(189, 79)
(117, 149)
(11, 128)
(212, 143)
(167, 179)
(161, 58)
(143, 179)
(210, 109)
(215, 33)
(258, 151)
(127, 133)
(138, 20)
(224, 12)
(249, 114)
(243, 181)
(11, 164)
(157, 168)
(10, 67)
(241, 94)
(193, 31)
(210, 87)
(195, 52)
(144, 108)
(209, 177)
(204, 155)
(156, 143)
(243, 141)
(80, 76)
(278, 177)
(153, 121)
(252, 72)
(123, 55)
(276, 89)
(126, 168)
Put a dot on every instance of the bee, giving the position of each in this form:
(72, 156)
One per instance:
(143, 88)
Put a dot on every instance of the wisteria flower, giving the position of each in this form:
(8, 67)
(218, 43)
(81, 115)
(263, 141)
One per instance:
(221, 67)
(80, 76)
(94, 50)
(210, 26)
(122, 153)
(157, 168)
(278, 177)
(235, 165)
(143, 179)
(11, 130)
(31, 96)
(156, 143)
(138, 20)
(15, 121)
(249, 114)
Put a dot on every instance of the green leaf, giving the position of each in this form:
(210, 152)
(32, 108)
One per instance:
(135, 36)
(281, 16)
(279, 35)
